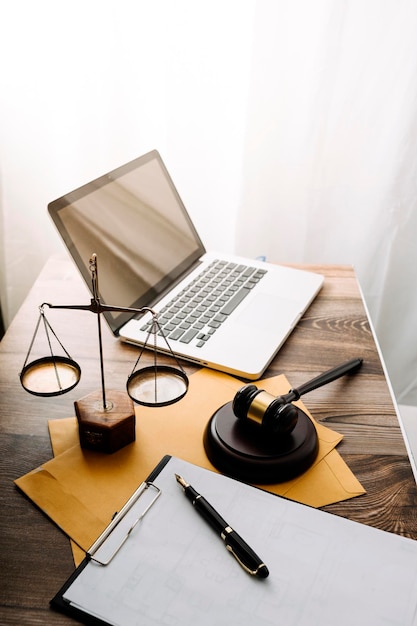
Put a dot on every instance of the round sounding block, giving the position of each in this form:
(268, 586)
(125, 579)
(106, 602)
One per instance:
(239, 448)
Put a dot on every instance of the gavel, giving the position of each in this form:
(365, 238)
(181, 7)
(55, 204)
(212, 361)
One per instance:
(275, 414)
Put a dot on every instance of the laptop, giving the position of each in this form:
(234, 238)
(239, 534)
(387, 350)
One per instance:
(149, 253)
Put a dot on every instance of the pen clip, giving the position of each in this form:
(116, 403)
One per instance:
(253, 572)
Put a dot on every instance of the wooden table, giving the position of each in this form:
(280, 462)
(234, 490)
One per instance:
(36, 557)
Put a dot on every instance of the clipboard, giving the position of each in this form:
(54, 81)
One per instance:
(58, 602)
(172, 568)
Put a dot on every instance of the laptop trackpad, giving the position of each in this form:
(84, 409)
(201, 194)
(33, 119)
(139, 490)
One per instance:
(269, 312)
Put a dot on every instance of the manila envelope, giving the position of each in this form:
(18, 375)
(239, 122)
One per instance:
(80, 490)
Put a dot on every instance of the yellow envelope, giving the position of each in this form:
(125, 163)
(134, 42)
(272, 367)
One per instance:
(329, 480)
(81, 490)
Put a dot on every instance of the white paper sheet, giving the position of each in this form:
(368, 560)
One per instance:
(174, 570)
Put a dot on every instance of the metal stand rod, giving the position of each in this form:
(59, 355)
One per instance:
(100, 343)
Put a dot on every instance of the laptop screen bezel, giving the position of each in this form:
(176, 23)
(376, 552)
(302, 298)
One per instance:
(117, 321)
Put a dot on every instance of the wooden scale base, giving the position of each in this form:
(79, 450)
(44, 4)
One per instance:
(105, 430)
(239, 448)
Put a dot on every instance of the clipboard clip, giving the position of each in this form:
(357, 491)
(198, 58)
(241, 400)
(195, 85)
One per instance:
(118, 518)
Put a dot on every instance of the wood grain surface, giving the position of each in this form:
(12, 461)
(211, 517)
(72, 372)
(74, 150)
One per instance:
(35, 555)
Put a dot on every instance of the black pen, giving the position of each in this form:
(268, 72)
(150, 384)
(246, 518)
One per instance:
(246, 557)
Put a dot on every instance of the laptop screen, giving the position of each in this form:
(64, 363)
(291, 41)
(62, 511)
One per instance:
(135, 222)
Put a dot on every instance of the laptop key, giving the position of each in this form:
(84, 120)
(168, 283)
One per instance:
(189, 335)
(235, 301)
(213, 324)
(248, 272)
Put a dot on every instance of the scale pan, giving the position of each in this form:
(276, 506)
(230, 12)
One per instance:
(157, 386)
(50, 376)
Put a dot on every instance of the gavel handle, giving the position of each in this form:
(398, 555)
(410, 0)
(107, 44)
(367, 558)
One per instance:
(327, 377)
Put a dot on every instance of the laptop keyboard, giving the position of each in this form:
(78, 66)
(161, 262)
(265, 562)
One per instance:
(207, 302)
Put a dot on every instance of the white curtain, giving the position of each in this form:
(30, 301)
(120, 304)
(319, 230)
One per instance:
(289, 127)
(330, 159)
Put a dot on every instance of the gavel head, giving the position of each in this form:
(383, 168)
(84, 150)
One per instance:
(272, 413)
